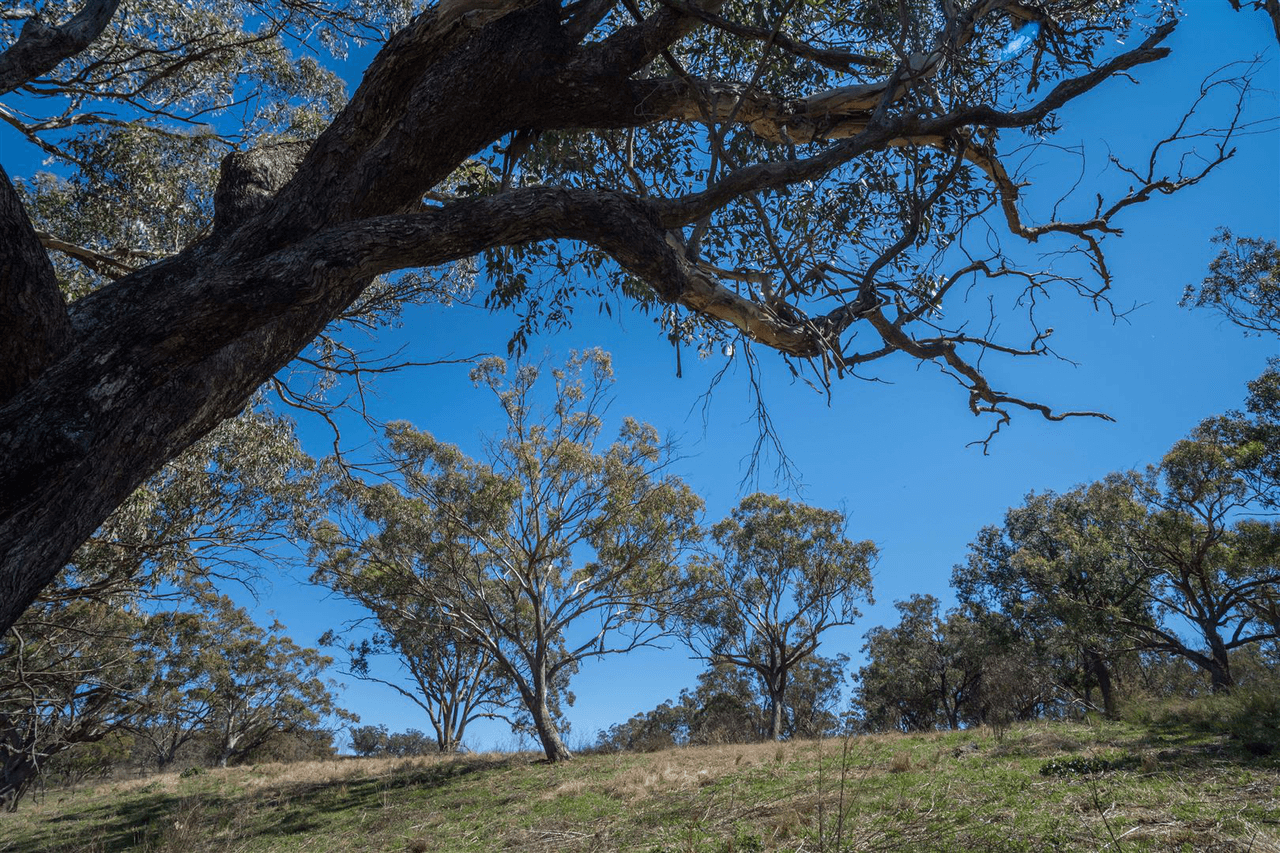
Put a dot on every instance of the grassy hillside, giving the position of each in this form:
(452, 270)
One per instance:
(1038, 787)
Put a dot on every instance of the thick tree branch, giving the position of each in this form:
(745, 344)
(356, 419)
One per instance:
(41, 47)
(154, 360)
(899, 131)
(32, 313)
(99, 262)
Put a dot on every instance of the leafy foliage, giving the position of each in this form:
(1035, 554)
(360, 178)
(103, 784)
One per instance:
(257, 683)
(1135, 561)
(549, 553)
(784, 574)
(933, 671)
(1243, 284)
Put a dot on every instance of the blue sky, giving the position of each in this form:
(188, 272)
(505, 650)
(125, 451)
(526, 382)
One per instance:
(893, 454)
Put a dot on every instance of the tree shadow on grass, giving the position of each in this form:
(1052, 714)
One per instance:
(207, 820)
(1190, 746)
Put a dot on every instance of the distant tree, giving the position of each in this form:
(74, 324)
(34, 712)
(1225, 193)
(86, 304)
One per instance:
(1059, 573)
(453, 680)
(725, 707)
(813, 697)
(948, 670)
(515, 555)
(783, 574)
(1211, 566)
(410, 742)
(1133, 562)
(258, 682)
(917, 677)
(663, 727)
(729, 705)
(376, 740)
(218, 679)
(368, 740)
(179, 693)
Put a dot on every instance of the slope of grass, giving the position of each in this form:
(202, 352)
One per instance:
(1063, 787)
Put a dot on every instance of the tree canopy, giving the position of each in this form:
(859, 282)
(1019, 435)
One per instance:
(1182, 558)
(550, 552)
(782, 575)
(826, 182)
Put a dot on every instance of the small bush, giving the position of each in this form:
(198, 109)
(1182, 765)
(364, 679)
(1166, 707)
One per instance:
(190, 772)
(1080, 765)
(1253, 717)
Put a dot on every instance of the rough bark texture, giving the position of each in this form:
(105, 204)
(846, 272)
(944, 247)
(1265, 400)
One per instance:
(160, 357)
(40, 46)
(33, 318)
(1101, 674)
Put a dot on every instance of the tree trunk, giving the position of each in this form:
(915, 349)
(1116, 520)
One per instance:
(1219, 665)
(777, 684)
(228, 750)
(543, 722)
(447, 743)
(96, 397)
(18, 775)
(1101, 673)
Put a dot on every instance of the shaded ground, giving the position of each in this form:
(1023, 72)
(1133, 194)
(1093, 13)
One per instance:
(1067, 787)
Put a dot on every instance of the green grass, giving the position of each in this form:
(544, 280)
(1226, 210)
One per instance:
(1040, 787)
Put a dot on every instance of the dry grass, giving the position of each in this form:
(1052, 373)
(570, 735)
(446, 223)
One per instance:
(936, 792)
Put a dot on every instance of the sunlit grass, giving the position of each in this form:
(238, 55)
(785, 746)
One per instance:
(1164, 790)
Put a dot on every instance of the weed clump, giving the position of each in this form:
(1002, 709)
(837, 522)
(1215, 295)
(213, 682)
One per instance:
(1080, 765)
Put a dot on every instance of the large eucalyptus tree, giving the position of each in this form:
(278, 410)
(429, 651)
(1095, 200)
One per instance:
(781, 575)
(823, 179)
(550, 552)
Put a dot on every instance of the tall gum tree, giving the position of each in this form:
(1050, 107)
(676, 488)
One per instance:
(799, 177)
(550, 553)
(782, 574)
